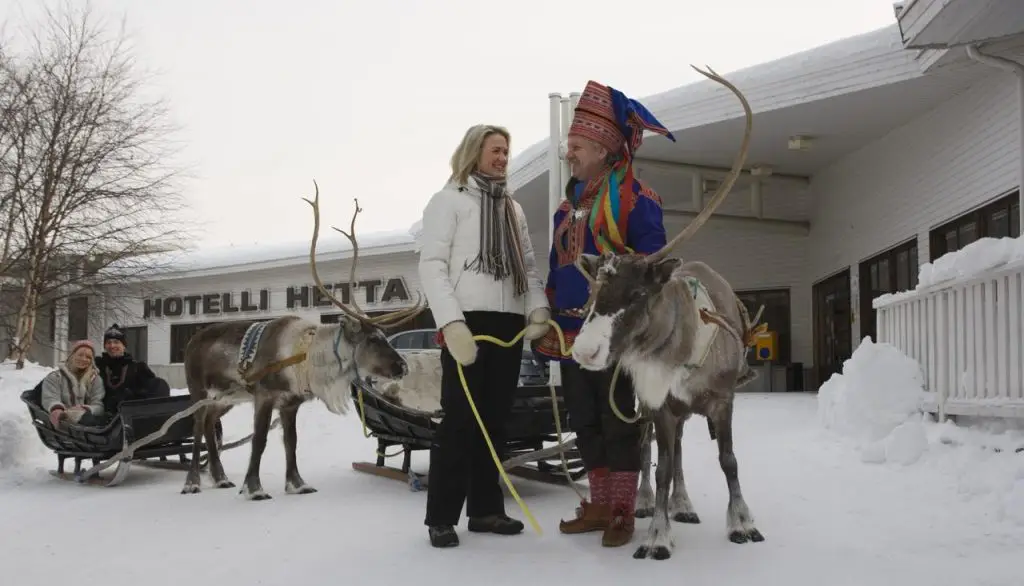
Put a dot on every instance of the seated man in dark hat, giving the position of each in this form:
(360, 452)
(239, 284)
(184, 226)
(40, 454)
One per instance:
(125, 378)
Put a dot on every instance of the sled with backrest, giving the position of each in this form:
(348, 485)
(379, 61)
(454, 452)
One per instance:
(530, 426)
(109, 445)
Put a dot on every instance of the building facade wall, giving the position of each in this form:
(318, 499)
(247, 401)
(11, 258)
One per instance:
(956, 157)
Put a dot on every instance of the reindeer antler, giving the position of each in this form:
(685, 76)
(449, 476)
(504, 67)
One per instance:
(388, 320)
(726, 186)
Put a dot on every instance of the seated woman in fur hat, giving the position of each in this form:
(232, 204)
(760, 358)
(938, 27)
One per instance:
(124, 377)
(73, 393)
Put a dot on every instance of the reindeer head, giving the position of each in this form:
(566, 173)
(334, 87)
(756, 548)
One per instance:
(624, 300)
(625, 289)
(372, 353)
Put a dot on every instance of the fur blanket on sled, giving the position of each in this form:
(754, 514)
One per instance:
(420, 390)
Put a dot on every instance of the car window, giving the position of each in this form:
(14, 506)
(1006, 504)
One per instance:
(403, 341)
(432, 340)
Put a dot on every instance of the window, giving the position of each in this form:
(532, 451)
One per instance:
(78, 318)
(776, 314)
(887, 272)
(999, 219)
(180, 335)
(137, 342)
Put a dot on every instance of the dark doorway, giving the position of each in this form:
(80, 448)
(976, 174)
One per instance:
(887, 272)
(833, 333)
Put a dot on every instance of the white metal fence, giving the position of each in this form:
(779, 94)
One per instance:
(968, 337)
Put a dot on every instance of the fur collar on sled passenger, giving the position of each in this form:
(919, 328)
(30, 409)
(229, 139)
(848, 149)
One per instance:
(80, 383)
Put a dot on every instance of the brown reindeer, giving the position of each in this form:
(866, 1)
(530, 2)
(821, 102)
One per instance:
(678, 329)
(280, 365)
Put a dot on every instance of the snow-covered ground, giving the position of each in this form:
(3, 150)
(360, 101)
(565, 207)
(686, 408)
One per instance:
(849, 488)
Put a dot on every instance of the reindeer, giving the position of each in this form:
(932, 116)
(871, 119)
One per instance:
(678, 329)
(281, 364)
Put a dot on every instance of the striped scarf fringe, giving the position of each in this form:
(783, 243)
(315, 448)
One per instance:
(501, 249)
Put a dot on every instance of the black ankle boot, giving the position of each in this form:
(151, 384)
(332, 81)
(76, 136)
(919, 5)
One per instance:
(443, 536)
(500, 524)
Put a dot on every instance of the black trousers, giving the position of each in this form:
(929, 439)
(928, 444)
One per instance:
(603, 440)
(461, 468)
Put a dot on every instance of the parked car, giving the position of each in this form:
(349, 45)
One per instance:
(532, 372)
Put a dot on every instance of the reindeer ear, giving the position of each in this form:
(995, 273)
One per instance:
(589, 264)
(661, 271)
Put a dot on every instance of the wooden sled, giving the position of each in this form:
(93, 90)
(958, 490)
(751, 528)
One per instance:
(529, 427)
(135, 420)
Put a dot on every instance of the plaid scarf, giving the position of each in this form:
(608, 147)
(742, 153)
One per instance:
(501, 251)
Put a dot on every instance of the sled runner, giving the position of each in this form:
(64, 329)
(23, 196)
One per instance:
(529, 427)
(135, 420)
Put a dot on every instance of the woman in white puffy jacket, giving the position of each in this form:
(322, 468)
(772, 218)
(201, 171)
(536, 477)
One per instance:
(478, 271)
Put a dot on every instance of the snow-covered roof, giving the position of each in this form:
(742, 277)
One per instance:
(254, 256)
(845, 66)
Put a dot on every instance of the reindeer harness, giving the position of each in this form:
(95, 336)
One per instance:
(707, 326)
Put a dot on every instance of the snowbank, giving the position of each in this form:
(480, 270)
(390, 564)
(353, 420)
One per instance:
(879, 390)
(970, 261)
(876, 403)
(18, 444)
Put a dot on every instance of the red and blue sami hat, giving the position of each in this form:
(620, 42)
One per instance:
(606, 116)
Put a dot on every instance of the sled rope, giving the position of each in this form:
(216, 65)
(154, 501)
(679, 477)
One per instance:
(366, 433)
(128, 452)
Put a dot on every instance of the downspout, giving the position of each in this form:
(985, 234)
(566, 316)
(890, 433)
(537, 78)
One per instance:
(1017, 68)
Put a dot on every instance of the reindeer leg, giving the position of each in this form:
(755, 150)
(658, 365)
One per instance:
(739, 520)
(293, 482)
(645, 497)
(680, 506)
(220, 479)
(252, 488)
(192, 480)
(658, 543)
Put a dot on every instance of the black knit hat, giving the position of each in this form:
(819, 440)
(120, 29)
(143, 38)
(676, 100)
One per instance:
(114, 333)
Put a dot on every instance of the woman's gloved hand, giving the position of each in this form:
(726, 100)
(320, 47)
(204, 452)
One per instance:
(56, 414)
(460, 343)
(75, 413)
(538, 325)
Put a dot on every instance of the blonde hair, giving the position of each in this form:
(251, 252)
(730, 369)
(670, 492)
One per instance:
(467, 155)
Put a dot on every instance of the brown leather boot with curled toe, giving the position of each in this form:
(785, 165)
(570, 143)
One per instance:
(622, 489)
(589, 517)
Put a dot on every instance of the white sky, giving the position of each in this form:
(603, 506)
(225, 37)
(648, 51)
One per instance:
(370, 98)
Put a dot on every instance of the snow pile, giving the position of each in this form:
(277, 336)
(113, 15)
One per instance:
(18, 441)
(877, 402)
(970, 261)
(975, 258)
(987, 465)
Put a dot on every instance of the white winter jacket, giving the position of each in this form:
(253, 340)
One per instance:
(449, 241)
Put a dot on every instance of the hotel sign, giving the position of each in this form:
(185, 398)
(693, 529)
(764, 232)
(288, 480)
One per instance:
(295, 297)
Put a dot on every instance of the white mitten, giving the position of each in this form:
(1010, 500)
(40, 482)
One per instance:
(75, 413)
(538, 324)
(460, 342)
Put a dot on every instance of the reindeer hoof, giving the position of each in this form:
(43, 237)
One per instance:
(190, 488)
(258, 495)
(657, 552)
(644, 513)
(682, 517)
(224, 484)
(304, 489)
(745, 536)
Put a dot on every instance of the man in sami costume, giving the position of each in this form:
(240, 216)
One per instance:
(607, 209)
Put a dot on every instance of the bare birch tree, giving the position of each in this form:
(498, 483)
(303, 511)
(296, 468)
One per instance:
(88, 178)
